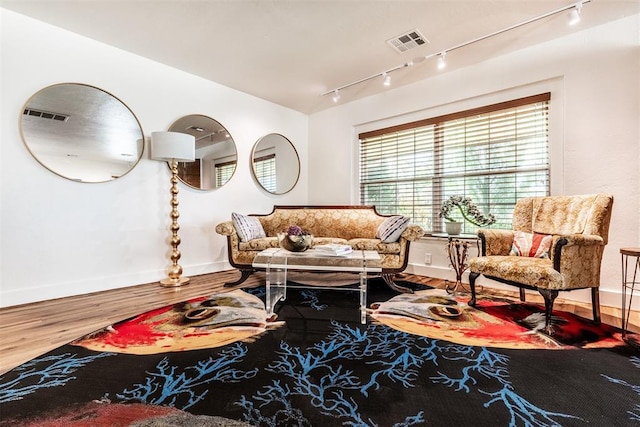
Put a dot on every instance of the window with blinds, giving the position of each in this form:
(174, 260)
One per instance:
(265, 169)
(223, 172)
(495, 155)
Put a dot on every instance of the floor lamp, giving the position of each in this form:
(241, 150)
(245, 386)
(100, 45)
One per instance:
(173, 147)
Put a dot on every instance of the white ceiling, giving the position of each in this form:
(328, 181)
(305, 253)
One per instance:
(291, 51)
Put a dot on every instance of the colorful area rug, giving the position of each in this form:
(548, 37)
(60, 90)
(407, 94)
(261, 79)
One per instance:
(421, 359)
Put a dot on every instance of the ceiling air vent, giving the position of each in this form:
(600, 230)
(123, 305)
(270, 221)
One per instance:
(46, 115)
(407, 41)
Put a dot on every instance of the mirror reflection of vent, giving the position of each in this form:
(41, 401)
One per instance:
(46, 115)
(409, 40)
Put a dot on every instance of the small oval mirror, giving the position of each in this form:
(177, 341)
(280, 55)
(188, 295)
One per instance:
(81, 132)
(216, 155)
(275, 163)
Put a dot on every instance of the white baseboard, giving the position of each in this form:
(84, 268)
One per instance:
(66, 289)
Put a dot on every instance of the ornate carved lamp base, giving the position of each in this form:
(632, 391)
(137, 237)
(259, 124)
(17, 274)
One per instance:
(174, 274)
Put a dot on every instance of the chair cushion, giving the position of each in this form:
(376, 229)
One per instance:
(391, 228)
(247, 227)
(562, 214)
(531, 244)
(535, 272)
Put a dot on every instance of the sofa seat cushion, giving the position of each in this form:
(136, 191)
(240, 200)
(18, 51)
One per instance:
(327, 240)
(535, 272)
(259, 244)
(272, 242)
(375, 245)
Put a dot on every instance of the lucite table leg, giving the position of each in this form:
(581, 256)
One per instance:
(276, 286)
(363, 297)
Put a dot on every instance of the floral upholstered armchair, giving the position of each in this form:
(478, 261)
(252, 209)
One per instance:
(556, 245)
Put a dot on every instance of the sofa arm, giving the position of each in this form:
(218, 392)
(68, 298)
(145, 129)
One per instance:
(226, 228)
(233, 242)
(579, 240)
(495, 241)
(412, 232)
(578, 258)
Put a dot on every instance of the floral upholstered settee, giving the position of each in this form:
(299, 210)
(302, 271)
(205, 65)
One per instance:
(360, 227)
(556, 244)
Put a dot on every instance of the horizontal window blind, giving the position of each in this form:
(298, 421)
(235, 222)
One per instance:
(495, 155)
(265, 169)
(223, 172)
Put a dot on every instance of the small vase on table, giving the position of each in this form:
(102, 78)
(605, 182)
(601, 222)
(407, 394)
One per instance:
(453, 228)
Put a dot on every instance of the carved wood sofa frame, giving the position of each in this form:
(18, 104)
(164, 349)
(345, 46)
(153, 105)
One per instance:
(355, 225)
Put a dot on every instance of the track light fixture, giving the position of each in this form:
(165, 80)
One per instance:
(575, 10)
(383, 74)
(442, 63)
(574, 15)
(387, 79)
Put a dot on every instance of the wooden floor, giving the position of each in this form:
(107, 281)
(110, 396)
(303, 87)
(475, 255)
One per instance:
(30, 330)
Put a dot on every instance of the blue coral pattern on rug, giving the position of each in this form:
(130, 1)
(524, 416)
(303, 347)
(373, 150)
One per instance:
(44, 372)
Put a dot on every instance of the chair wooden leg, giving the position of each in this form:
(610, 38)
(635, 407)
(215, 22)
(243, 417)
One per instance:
(472, 285)
(595, 305)
(549, 296)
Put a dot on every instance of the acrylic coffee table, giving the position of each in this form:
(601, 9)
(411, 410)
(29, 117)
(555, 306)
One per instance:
(278, 261)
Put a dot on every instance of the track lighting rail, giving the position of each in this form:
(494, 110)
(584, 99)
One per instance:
(575, 9)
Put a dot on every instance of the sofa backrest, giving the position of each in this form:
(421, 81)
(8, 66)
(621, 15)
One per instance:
(583, 214)
(346, 222)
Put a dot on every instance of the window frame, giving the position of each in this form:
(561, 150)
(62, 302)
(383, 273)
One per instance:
(553, 127)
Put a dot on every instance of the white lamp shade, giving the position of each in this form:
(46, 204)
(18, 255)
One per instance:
(166, 146)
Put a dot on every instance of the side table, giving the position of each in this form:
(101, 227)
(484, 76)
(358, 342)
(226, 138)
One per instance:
(458, 252)
(630, 278)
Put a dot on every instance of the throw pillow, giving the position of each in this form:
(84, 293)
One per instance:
(391, 228)
(531, 244)
(247, 227)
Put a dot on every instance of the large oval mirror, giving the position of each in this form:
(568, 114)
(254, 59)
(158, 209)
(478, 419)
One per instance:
(81, 132)
(275, 163)
(216, 155)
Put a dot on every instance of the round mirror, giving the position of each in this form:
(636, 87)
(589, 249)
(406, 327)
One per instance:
(275, 163)
(216, 156)
(81, 133)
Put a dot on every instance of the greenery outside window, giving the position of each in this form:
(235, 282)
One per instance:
(495, 155)
(223, 172)
(265, 169)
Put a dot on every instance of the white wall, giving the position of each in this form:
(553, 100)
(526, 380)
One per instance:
(594, 80)
(59, 237)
